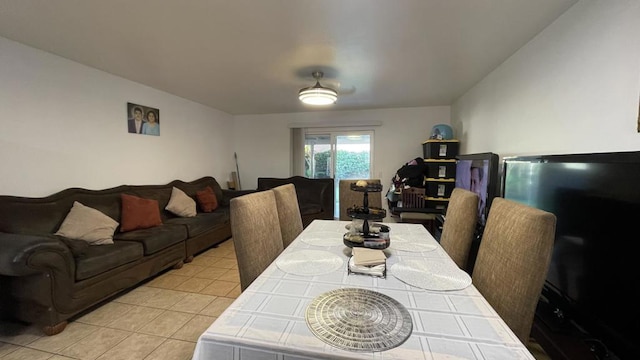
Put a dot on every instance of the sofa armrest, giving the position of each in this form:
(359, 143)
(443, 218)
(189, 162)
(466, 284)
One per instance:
(30, 254)
(328, 200)
(230, 194)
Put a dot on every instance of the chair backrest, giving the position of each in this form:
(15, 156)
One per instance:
(347, 198)
(256, 233)
(413, 197)
(513, 261)
(460, 225)
(288, 212)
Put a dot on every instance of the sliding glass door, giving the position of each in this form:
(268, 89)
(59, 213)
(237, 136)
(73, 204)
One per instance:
(338, 155)
(318, 156)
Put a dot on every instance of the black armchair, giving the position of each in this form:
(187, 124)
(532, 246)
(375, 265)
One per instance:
(315, 196)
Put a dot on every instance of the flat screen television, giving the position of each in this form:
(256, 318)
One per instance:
(479, 173)
(593, 279)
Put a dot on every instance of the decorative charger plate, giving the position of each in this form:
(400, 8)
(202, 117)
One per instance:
(431, 274)
(359, 320)
(309, 262)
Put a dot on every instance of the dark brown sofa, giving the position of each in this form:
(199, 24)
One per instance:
(47, 279)
(315, 196)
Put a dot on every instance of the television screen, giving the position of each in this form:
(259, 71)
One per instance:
(592, 278)
(479, 173)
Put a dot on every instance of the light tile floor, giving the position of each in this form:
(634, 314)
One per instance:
(160, 319)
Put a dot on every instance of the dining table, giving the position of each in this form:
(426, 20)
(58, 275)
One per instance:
(309, 304)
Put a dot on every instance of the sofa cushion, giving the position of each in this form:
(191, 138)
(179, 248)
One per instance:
(202, 223)
(315, 196)
(78, 247)
(207, 199)
(156, 238)
(181, 204)
(139, 213)
(87, 224)
(98, 259)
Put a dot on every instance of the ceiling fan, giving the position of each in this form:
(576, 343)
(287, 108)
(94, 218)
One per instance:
(319, 94)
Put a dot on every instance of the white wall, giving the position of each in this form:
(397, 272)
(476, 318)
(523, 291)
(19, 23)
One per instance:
(63, 125)
(574, 88)
(263, 142)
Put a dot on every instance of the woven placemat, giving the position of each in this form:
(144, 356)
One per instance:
(431, 274)
(359, 320)
(309, 262)
(412, 243)
(322, 238)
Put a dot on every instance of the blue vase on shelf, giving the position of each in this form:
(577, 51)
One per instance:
(441, 132)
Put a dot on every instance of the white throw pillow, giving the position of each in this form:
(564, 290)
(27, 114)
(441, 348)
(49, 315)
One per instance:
(181, 204)
(88, 224)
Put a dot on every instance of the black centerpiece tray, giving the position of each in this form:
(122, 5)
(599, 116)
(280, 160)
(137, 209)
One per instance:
(372, 241)
(365, 238)
(366, 213)
(368, 188)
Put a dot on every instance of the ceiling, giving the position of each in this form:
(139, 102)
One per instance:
(252, 56)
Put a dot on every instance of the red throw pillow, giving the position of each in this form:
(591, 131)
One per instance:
(207, 199)
(139, 213)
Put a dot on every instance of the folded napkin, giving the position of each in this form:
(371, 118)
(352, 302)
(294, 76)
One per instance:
(368, 257)
(376, 270)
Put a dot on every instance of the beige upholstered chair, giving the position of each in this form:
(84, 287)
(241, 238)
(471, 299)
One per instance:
(347, 197)
(460, 225)
(256, 233)
(513, 260)
(288, 212)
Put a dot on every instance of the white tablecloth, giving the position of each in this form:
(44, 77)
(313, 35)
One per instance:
(267, 321)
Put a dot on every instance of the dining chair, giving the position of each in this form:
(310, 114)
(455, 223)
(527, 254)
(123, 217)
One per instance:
(288, 212)
(513, 261)
(459, 226)
(256, 233)
(347, 198)
(413, 197)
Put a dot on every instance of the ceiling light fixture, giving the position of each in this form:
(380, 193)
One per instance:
(318, 94)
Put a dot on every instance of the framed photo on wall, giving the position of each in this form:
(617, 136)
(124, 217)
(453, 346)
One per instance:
(143, 119)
